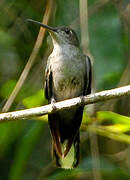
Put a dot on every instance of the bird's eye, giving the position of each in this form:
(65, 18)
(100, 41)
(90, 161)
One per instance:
(67, 31)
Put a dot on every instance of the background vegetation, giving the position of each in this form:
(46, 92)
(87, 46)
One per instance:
(25, 146)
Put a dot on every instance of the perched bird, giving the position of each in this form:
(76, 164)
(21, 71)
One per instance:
(67, 75)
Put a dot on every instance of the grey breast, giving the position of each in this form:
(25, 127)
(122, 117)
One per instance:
(68, 68)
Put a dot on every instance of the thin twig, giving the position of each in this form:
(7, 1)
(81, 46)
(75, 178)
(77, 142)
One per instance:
(31, 60)
(95, 153)
(84, 26)
(86, 50)
(67, 104)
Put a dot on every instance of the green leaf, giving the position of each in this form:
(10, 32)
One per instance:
(113, 117)
(37, 99)
(118, 128)
(104, 131)
(86, 119)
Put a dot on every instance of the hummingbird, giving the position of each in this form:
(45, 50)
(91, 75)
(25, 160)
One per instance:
(68, 75)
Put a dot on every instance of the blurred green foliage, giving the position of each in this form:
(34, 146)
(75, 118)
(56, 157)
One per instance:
(25, 145)
(35, 100)
(116, 126)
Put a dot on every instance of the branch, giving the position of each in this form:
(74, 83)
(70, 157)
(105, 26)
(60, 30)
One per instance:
(71, 103)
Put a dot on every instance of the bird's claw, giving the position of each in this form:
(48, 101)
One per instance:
(53, 104)
(82, 99)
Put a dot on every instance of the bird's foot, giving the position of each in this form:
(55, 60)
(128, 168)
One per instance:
(53, 101)
(82, 99)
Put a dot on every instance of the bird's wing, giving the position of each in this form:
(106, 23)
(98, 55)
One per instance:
(48, 83)
(86, 90)
(88, 77)
(52, 118)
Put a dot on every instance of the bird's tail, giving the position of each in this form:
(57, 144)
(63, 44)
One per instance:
(70, 153)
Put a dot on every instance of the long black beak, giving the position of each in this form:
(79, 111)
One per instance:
(43, 25)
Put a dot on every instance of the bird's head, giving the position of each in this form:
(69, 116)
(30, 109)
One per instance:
(60, 35)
